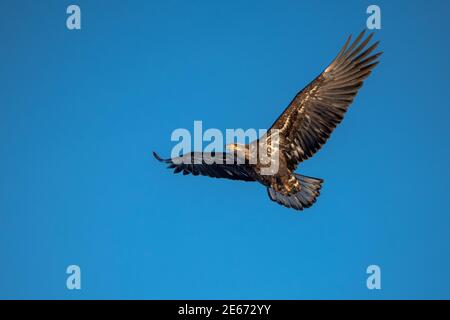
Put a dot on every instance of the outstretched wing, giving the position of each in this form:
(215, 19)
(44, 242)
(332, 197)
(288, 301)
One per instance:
(308, 121)
(215, 165)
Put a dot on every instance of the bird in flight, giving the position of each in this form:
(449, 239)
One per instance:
(300, 131)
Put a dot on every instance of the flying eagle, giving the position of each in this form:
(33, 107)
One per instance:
(302, 129)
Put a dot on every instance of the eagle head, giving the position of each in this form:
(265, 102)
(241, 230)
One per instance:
(240, 149)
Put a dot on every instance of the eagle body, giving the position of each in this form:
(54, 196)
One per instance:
(299, 132)
(282, 181)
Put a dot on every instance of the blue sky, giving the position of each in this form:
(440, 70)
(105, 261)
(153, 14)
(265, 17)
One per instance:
(82, 110)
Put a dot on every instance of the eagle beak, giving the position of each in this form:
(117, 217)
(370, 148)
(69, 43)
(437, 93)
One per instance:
(235, 147)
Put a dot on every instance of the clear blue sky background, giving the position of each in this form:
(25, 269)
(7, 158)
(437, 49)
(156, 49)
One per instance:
(81, 111)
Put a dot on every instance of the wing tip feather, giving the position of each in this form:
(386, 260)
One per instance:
(157, 157)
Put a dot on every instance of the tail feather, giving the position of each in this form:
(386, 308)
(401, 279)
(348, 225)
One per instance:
(305, 198)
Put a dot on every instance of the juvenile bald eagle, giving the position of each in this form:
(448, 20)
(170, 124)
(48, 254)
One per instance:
(302, 129)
